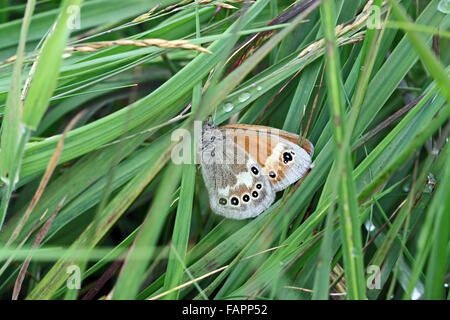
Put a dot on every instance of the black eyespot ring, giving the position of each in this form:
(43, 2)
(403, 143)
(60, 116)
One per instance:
(255, 170)
(213, 153)
(287, 157)
(223, 201)
(234, 201)
(246, 198)
(259, 186)
(272, 174)
(255, 194)
(213, 138)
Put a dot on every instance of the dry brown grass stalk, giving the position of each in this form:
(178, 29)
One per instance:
(160, 43)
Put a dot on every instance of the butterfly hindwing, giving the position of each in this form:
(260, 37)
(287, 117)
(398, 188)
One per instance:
(237, 186)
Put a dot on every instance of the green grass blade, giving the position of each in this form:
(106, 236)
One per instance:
(387, 88)
(348, 206)
(132, 273)
(11, 130)
(47, 67)
(433, 65)
(175, 267)
(433, 240)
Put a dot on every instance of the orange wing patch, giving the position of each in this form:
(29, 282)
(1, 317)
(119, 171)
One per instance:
(292, 137)
(256, 143)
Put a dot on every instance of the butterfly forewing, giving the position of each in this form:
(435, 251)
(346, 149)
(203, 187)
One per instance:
(276, 151)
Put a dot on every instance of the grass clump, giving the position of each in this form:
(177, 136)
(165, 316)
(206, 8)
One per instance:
(92, 92)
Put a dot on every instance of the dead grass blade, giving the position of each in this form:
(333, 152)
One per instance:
(48, 173)
(37, 241)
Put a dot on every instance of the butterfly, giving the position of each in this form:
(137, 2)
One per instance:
(243, 166)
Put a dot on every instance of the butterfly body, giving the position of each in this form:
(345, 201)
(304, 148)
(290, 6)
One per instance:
(243, 166)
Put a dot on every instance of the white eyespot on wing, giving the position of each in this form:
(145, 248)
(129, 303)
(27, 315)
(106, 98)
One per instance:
(242, 210)
(246, 178)
(256, 202)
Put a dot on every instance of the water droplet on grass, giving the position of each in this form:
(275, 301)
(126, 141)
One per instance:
(431, 183)
(444, 6)
(227, 107)
(369, 226)
(416, 294)
(244, 96)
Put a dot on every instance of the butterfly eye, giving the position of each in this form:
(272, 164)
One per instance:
(259, 186)
(255, 170)
(234, 201)
(246, 198)
(272, 174)
(223, 201)
(255, 194)
(287, 156)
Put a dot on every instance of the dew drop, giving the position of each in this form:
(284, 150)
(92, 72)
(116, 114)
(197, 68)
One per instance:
(259, 88)
(444, 6)
(416, 294)
(227, 107)
(369, 226)
(431, 183)
(244, 96)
